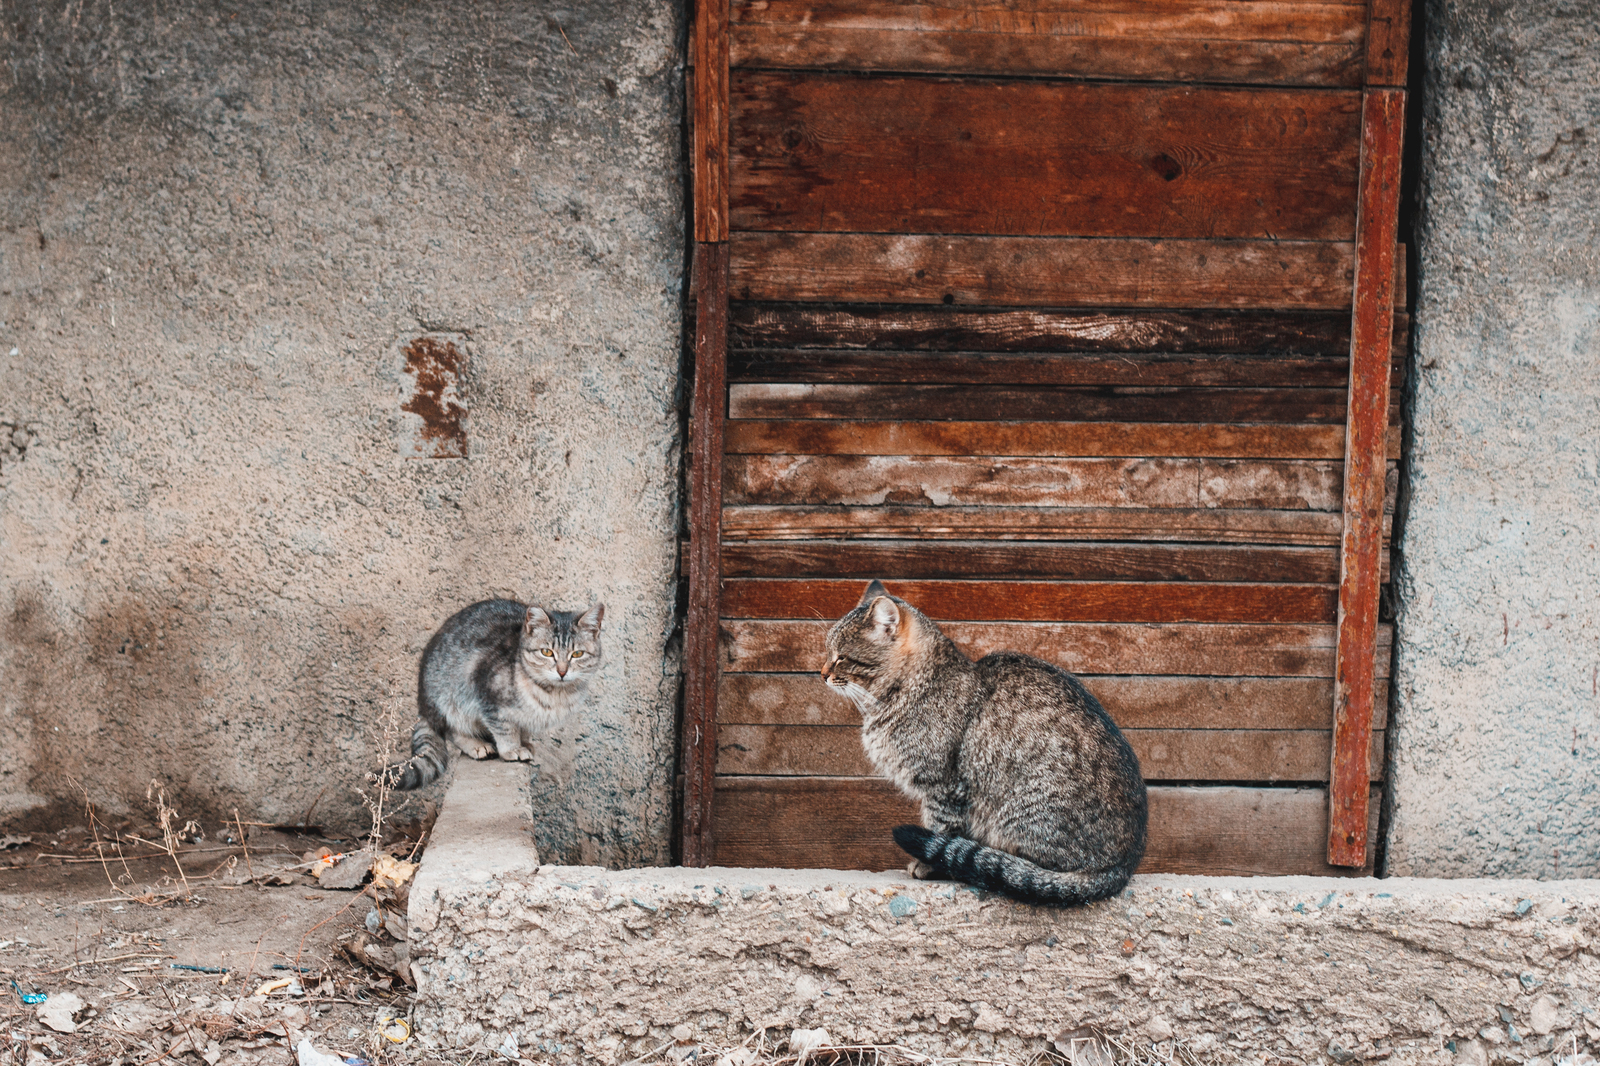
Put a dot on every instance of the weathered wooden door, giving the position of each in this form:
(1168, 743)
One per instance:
(1071, 321)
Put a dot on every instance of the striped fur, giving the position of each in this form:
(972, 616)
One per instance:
(966, 860)
(430, 756)
(496, 675)
(1027, 786)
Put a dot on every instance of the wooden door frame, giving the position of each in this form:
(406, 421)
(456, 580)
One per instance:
(1383, 110)
(708, 51)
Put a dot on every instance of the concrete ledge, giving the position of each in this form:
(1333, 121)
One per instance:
(484, 831)
(584, 964)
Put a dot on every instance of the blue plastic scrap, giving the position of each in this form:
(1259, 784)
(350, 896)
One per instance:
(30, 998)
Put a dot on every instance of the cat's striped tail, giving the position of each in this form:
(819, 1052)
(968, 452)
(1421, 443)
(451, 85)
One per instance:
(429, 757)
(999, 871)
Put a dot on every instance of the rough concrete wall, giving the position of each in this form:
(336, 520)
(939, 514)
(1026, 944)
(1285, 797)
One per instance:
(223, 230)
(585, 966)
(1496, 735)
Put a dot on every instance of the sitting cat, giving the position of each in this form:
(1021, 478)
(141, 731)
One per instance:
(495, 674)
(1027, 787)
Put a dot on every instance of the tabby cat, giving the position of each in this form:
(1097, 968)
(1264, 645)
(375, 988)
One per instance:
(1027, 786)
(494, 675)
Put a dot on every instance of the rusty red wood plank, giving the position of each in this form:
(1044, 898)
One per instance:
(1388, 42)
(1365, 474)
(1060, 439)
(939, 481)
(709, 120)
(902, 559)
(705, 539)
(969, 329)
(1041, 271)
(844, 824)
(850, 153)
(1149, 702)
(1189, 40)
(1123, 58)
(1200, 524)
(1045, 369)
(1042, 601)
(763, 646)
(1028, 403)
(1266, 756)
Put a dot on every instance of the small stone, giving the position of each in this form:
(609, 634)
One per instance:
(681, 1033)
(1542, 1015)
(1472, 1053)
(1491, 1035)
(1158, 1029)
(748, 891)
(902, 906)
(1524, 906)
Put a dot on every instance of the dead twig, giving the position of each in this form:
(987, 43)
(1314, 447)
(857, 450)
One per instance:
(248, 868)
(170, 836)
(100, 962)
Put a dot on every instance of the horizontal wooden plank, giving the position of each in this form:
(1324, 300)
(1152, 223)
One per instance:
(1258, 756)
(968, 329)
(1041, 403)
(1041, 271)
(1055, 439)
(1133, 702)
(763, 646)
(1042, 601)
(1238, 526)
(1081, 561)
(953, 481)
(1305, 21)
(1127, 56)
(841, 366)
(844, 823)
(848, 153)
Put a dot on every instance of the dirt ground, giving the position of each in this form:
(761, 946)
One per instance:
(142, 967)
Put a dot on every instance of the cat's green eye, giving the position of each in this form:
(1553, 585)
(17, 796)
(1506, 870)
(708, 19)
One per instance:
(549, 653)
(577, 655)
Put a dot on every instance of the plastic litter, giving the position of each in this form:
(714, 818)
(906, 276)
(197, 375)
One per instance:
(197, 969)
(276, 985)
(30, 998)
(392, 1027)
(308, 1054)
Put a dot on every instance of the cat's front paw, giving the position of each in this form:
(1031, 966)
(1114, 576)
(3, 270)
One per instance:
(517, 755)
(922, 871)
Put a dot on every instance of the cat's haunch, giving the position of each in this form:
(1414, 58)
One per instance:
(1027, 786)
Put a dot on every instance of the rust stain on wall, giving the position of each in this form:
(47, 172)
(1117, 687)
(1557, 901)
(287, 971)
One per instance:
(436, 365)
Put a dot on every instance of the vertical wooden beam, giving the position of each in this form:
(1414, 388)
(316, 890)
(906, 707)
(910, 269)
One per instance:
(709, 57)
(1366, 433)
(1388, 42)
(709, 158)
(701, 629)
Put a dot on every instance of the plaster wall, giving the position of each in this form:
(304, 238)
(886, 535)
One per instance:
(1496, 724)
(222, 229)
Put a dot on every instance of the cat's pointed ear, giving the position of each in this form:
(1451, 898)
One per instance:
(884, 614)
(592, 618)
(874, 590)
(536, 619)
